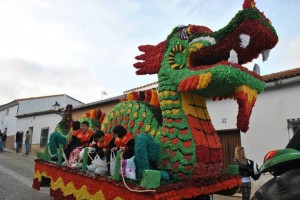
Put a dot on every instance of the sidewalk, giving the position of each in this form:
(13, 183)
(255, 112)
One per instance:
(220, 197)
(21, 153)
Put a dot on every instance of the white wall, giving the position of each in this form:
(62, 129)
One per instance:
(32, 105)
(9, 121)
(38, 122)
(268, 123)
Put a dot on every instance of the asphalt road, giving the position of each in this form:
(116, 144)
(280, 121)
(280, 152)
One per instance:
(16, 173)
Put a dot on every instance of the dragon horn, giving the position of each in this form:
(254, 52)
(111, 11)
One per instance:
(249, 4)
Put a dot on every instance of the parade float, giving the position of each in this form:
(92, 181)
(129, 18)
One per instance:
(178, 154)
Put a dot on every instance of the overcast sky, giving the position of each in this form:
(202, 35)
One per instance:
(83, 47)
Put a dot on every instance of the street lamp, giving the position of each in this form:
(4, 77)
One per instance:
(57, 109)
(56, 106)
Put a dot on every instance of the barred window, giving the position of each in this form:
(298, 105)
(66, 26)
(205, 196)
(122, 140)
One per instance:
(44, 137)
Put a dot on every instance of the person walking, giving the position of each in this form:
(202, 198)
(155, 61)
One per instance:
(4, 140)
(18, 141)
(27, 140)
(1, 141)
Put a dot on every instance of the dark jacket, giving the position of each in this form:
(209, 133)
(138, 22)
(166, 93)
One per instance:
(246, 169)
(4, 137)
(18, 137)
(99, 150)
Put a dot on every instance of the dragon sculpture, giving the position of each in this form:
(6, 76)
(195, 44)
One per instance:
(61, 132)
(194, 64)
(63, 129)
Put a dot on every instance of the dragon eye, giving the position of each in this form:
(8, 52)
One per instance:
(176, 57)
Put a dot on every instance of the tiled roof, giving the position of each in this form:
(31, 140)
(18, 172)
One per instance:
(281, 75)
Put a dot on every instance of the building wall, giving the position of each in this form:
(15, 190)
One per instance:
(268, 123)
(269, 120)
(37, 123)
(10, 140)
(9, 121)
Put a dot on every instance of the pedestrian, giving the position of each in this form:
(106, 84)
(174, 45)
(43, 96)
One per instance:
(27, 141)
(1, 141)
(247, 169)
(4, 139)
(18, 141)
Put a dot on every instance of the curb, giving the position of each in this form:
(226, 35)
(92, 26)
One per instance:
(20, 154)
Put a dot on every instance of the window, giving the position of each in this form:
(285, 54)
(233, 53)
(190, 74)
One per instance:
(44, 137)
(294, 125)
(7, 111)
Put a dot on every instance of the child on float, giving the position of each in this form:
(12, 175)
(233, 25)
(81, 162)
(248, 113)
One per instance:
(102, 143)
(79, 140)
(124, 141)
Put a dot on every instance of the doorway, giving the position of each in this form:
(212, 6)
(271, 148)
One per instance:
(30, 129)
(229, 139)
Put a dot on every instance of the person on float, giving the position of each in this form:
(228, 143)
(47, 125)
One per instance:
(79, 138)
(124, 141)
(103, 143)
(96, 127)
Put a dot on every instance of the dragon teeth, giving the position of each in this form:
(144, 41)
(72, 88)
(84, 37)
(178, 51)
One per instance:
(233, 57)
(265, 54)
(245, 40)
(256, 69)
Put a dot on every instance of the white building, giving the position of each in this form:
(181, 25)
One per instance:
(275, 116)
(35, 115)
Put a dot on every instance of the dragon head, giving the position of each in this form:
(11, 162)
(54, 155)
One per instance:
(65, 124)
(200, 61)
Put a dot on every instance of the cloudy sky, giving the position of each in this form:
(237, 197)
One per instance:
(84, 47)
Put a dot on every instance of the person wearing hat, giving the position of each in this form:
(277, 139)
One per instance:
(124, 141)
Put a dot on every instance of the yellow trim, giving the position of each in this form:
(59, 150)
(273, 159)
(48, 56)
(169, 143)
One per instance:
(200, 111)
(70, 189)
(195, 47)
(39, 175)
(204, 80)
(251, 93)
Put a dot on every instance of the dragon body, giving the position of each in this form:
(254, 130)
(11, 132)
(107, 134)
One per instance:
(193, 64)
